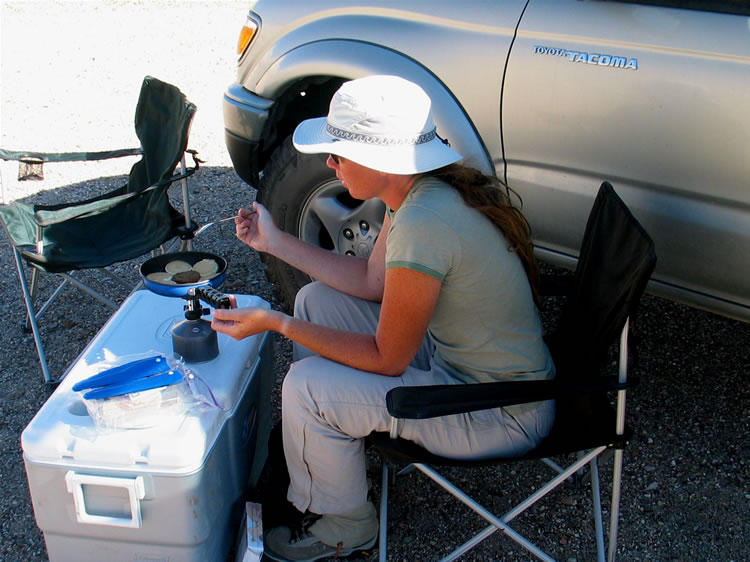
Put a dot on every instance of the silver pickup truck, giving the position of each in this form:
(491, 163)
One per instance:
(552, 96)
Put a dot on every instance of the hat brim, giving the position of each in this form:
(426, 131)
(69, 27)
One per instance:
(311, 137)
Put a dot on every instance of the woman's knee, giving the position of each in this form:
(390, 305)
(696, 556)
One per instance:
(300, 376)
(308, 299)
(320, 304)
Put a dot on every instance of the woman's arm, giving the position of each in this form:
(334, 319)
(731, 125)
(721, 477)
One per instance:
(359, 277)
(408, 302)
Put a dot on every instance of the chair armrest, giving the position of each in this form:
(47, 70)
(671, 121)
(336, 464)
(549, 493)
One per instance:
(48, 217)
(36, 157)
(73, 211)
(422, 402)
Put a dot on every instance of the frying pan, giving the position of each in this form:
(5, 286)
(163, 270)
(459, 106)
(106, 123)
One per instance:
(158, 264)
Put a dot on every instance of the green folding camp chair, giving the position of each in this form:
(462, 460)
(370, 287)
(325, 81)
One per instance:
(128, 222)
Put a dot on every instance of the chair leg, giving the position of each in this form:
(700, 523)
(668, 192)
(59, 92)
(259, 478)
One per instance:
(596, 502)
(617, 464)
(185, 201)
(32, 294)
(383, 539)
(615, 509)
(86, 289)
(496, 523)
(31, 317)
(49, 301)
(502, 523)
(116, 278)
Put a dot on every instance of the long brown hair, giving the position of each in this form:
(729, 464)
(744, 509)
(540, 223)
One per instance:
(491, 197)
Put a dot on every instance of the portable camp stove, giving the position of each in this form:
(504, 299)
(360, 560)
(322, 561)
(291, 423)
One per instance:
(193, 339)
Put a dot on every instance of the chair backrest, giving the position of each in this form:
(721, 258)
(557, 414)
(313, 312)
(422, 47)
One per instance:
(123, 223)
(616, 261)
(162, 122)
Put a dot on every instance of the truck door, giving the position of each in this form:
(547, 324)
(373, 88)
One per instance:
(653, 99)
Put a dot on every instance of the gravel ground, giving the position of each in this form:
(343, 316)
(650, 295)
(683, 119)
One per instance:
(71, 73)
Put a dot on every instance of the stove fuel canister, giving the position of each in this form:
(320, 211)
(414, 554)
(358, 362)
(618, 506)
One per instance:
(195, 341)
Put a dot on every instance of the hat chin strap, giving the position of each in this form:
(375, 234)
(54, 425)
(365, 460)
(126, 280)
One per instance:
(378, 140)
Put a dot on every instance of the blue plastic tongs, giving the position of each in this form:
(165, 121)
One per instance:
(136, 376)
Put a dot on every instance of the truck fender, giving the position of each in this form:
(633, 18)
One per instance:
(355, 59)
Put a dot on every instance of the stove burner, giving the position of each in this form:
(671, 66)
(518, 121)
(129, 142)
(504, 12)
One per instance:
(193, 339)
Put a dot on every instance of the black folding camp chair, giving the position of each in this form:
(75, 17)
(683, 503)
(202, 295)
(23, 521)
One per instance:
(128, 222)
(616, 260)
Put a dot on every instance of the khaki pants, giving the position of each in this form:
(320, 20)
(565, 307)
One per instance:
(328, 409)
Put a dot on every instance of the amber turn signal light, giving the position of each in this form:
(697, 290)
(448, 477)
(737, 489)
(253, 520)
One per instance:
(246, 36)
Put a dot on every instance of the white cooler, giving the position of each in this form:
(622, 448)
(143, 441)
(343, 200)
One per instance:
(171, 492)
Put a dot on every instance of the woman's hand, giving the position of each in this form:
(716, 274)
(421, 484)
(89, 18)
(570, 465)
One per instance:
(256, 228)
(360, 277)
(239, 323)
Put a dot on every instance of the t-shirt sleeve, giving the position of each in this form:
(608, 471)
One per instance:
(420, 240)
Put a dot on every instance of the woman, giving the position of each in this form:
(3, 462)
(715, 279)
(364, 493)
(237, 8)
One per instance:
(446, 297)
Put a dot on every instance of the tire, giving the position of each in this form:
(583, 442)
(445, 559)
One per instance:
(307, 200)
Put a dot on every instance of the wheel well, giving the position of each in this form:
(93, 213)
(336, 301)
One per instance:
(304, 99)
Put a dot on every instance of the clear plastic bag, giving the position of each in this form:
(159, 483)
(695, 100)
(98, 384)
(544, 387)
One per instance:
(151, 407)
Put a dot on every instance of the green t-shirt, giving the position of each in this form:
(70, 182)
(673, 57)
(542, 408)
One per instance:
(485, 326)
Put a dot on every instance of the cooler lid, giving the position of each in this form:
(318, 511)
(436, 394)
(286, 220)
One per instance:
(63, 432)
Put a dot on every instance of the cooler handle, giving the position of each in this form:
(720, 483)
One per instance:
(136, 492)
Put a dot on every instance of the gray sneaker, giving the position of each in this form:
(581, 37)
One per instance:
(300, 545)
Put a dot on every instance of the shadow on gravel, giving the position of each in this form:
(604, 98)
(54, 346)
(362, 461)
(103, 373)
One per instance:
(686, 489)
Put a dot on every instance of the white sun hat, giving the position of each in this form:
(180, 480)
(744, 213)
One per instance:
(381, 122)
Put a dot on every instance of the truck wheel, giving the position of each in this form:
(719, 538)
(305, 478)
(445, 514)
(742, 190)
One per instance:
(306, 200)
